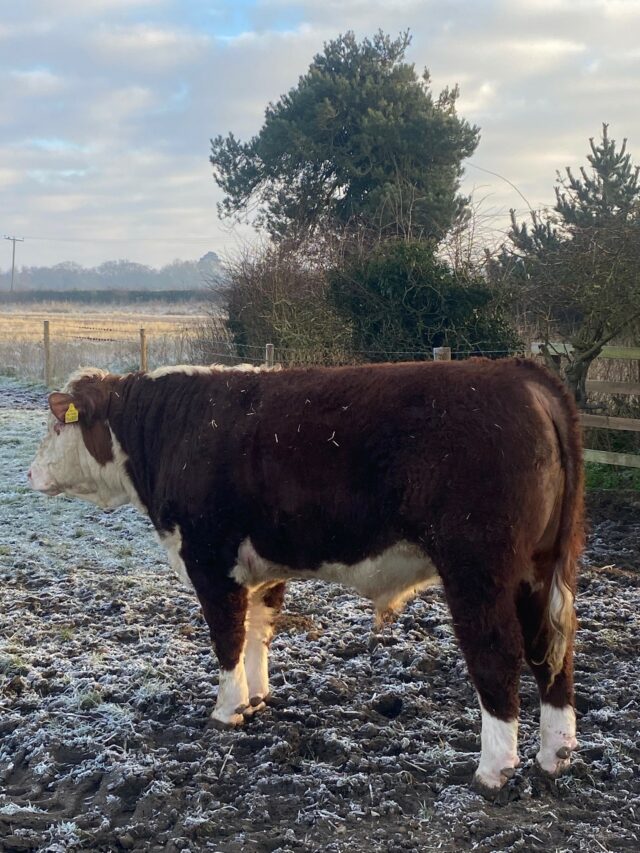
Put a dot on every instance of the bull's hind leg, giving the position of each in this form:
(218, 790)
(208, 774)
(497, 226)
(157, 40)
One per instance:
(224, 604)
(486, 623)
(264, 606)
(557, 715)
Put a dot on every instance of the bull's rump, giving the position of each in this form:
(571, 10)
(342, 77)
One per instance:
(322, 466)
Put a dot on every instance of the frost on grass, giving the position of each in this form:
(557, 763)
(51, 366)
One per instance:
(107, 681)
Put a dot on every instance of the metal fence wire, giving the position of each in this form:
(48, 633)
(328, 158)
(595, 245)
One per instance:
(52, 348)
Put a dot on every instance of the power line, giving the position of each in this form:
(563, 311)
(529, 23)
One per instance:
(502, 178)
(14, 240)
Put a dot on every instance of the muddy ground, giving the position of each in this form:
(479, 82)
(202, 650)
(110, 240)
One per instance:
(107, 680)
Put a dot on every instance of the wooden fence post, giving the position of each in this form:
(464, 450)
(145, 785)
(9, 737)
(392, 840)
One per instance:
(268, 355)
(442, 353)
(143, 350)
(47, 355)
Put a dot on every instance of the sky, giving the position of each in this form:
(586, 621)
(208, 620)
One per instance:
(107, 107)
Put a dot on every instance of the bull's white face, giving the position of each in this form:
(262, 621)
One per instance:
(63, 465)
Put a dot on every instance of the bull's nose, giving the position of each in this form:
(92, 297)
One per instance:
(29, 475)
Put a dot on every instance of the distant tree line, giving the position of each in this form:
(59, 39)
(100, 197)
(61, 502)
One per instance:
(118, 275)
(102, 297)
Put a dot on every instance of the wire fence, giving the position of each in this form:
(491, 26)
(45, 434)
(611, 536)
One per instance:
(227, 351)
(49, 349)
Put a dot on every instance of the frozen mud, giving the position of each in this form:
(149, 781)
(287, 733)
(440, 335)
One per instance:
(107, 681)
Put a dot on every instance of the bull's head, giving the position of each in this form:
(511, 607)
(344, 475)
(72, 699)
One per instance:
(79, 455)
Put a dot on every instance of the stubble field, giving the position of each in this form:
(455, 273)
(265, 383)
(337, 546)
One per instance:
(94, 335)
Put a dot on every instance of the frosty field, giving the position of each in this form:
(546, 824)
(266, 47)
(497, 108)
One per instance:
(107, 681)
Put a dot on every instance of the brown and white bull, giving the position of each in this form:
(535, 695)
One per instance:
(385, 478)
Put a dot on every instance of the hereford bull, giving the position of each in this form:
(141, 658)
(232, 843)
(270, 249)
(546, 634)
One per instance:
(385, 478)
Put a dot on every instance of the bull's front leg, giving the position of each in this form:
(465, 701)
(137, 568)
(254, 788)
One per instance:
(224, 605)
(264, 606)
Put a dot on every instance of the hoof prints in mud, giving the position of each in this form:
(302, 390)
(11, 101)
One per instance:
(369, 743)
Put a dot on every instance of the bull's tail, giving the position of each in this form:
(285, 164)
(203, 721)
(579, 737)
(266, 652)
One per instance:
(559, 619)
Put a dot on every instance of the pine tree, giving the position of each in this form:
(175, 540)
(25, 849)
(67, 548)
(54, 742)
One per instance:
(577, 269)
(360, 141)
(610, 193)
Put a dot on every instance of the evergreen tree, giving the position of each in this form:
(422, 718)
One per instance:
(359, 141)
(400, 300)
(576, 271)
(610, 193)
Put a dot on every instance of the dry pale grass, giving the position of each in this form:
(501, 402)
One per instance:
(121, 325)
(82, 335)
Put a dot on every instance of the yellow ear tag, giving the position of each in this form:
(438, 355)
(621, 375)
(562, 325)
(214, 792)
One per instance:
(71, 415)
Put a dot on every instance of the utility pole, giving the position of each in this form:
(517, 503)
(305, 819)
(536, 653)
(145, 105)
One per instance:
(14, 240)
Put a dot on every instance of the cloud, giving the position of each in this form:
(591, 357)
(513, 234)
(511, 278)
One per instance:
(89, 8)
(109, 105)
(620, 10)
(36, 82)
(115, 106)
(142, 45)
(9, 176)
(478, 99)
(547, 49)
(54, 144)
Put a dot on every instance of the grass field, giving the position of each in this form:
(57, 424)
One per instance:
(74, 323)
(108, 338)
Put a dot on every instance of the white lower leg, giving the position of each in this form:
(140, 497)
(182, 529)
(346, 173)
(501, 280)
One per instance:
(499, 752)
(233, 696)
(557, 738)
(257, 664)
(259, 632)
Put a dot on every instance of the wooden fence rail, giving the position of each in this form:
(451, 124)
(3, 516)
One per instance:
(596, 386)
(608, 457)
(605, 457)
(608, 422)
(557, 348)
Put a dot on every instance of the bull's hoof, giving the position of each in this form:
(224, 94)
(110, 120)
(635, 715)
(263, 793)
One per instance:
(256, 703)
(554, 764)
(223, 721)
(494, 789)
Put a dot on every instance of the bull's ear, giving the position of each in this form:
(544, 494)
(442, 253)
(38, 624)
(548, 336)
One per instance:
(64, 407)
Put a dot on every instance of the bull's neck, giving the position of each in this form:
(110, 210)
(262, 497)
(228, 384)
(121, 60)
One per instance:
(127, 438)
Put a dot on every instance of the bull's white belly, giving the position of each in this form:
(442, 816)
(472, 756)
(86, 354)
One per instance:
(389, 579)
